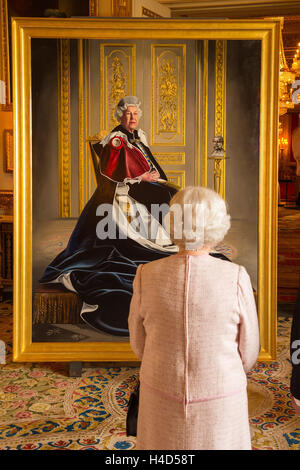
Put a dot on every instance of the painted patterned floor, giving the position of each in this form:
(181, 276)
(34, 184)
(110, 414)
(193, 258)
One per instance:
(41, 408)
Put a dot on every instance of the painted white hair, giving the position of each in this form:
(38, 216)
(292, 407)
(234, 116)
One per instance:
(198, 217)
(123, 105)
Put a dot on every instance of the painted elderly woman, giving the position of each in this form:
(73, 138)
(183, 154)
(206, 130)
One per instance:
(193, 323)
(117, 230)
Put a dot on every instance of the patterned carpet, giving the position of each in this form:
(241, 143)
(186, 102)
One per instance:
(41, 408)
(274, 424)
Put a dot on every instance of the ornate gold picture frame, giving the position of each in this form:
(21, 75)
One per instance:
(267, 32)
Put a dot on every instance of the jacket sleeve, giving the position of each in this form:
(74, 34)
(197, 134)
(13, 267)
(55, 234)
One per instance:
(249, 343)
(135, 320)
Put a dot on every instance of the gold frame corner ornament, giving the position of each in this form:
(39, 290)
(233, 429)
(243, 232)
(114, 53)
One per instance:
(23, 30)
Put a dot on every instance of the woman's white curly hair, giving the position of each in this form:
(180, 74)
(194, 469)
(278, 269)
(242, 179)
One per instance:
(198, 217)
(123, 105)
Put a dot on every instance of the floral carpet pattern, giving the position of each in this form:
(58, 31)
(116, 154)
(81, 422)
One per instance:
(273, 421)
(42, 408)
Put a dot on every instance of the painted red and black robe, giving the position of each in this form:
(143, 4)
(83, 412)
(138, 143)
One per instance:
(102, 271)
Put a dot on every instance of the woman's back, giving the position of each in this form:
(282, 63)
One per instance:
(192, 307)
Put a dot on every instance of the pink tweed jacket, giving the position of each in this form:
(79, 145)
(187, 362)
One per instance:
(193, 323)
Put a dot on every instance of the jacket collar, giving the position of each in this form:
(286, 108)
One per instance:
(130, 135)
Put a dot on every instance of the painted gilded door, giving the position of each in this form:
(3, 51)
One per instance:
(163, 76)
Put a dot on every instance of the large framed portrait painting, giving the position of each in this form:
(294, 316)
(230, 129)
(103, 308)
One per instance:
(111, 118)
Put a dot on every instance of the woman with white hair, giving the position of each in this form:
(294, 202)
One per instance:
(193, 323)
